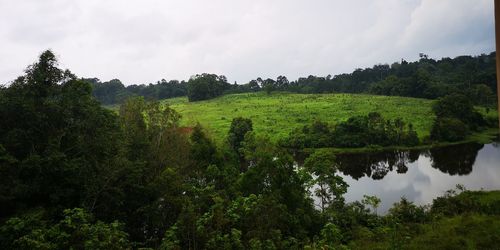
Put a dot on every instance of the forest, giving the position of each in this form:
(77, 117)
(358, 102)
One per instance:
(472, 76)
(76, 175)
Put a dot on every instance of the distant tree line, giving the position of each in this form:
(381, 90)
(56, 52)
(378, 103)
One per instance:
(474, 77)
(471, 76)
(114, 92)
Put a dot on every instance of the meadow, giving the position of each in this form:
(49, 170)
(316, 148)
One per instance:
(277, 114)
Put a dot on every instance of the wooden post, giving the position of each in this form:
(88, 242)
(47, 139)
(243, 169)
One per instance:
(497, 39)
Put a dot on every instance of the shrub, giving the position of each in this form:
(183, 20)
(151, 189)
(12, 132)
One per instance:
(357, 131)
(407, 212)
(448, 129)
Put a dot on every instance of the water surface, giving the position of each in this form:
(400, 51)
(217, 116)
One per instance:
(420, 176)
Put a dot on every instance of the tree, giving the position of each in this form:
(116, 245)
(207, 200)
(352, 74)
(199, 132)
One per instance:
(331, 187)
(63, 142)
(330, 236)
(481, 94)
(206, 86)
(151, 134)
(372, 201)
(448, 129)
(282, 83)
(159, 154)
(455, 115)
(239, 127)
(203, 152)
(273, 177)
(254, 85)
(407, 211)
(135, 128)
(110, 92)
(269, 85)
(454, 106)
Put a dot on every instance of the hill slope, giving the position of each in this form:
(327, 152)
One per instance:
(279, 113)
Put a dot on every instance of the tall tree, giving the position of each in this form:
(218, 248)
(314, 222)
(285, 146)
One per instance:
(63, 142)
(206, 86)
(239, 127)
(330, 187)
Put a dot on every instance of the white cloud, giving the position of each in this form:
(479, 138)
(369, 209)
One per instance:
(450, 26)
(144, 41)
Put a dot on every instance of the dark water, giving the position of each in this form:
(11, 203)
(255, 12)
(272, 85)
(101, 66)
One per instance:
(420, 176)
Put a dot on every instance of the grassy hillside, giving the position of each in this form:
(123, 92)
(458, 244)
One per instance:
(279, 113)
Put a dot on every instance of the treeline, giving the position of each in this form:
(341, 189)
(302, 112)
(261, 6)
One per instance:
(74, 175)
(199, 87)
(357, 131)
(472, 76)
(114, 92)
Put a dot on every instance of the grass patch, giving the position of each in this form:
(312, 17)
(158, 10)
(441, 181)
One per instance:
(276, 115)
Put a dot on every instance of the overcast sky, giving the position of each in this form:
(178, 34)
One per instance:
(145, 41)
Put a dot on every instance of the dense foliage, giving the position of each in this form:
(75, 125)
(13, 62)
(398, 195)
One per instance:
(239, 128)
(52, 132)
(114, 92)
(455, 118)
(206, 86)
(357, 131)
(74, 175)
(77, 175)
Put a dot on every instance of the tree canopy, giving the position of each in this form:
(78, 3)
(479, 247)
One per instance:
(472, 76)
(206, 86)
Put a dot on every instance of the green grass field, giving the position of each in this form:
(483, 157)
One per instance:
(279, 113)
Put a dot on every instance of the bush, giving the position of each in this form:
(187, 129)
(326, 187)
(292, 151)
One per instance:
(448, 129)
(357, 131)
(456, 106)
(407, 212)
(77, 229)
(239, 127)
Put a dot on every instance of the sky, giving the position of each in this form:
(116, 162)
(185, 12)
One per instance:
(141, 42)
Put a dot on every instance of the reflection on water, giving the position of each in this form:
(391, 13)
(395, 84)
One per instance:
(456, 159)
(420, 176)
(375, 165)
